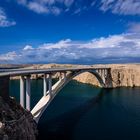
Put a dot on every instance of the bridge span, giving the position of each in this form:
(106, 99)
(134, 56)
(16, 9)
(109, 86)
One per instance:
(50, 90)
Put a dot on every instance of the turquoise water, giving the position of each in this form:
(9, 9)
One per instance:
(82, 112)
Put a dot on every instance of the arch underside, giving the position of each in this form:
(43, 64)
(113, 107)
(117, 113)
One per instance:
(44, 102)
(98, 77)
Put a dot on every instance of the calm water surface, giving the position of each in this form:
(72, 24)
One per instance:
(83, 112)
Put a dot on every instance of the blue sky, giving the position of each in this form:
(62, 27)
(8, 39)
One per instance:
(69, 31)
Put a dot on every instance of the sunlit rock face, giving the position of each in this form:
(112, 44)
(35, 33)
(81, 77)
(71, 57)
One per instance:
(15, 122)
(123, 75)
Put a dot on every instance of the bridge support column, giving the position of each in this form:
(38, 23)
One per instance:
(50, 84)
(108, 79)
(64, 76)
(100, 71)
(103, 75)
(45, 84)
(28, 93)
(22, 91)
(60, 76)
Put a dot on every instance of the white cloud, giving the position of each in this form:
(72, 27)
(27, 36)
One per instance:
(22, 1)
(46, 6)
(68, 3)
(38, 8)
(77, 11)
(109, 42)
(27, 47)
(10, 56)
(134, 27)
(4, 21)
(118, 48)
(122, 7)
(59, 45)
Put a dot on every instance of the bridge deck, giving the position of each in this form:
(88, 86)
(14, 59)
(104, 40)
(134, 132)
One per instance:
(19, 72)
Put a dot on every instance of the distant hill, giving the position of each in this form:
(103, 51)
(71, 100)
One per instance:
(13, 66)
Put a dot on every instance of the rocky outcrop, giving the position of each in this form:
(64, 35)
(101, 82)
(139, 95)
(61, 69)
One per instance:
(15, 122)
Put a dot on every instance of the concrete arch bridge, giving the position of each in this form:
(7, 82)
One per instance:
(50, 90)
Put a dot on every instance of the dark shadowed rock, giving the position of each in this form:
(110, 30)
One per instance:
(15, 122)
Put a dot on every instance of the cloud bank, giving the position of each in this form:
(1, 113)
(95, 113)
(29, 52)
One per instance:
(112, 49)
(121, 7)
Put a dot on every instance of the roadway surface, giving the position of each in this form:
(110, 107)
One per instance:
(19, 72)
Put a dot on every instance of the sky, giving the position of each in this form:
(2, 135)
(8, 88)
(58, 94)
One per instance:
(69, 31)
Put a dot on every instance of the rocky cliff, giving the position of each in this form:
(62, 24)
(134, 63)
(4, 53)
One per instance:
(15, 122)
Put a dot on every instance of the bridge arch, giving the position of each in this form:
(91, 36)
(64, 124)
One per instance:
(96, 74)
(44, 102)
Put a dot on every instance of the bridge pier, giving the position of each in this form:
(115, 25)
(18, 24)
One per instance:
(50, 84)
(99, 72)
(105, 72)
(108, 78)
(103, 75)
(64, 74)
(60, 75)
(28, 93)
(45, 84)
(22, 91)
